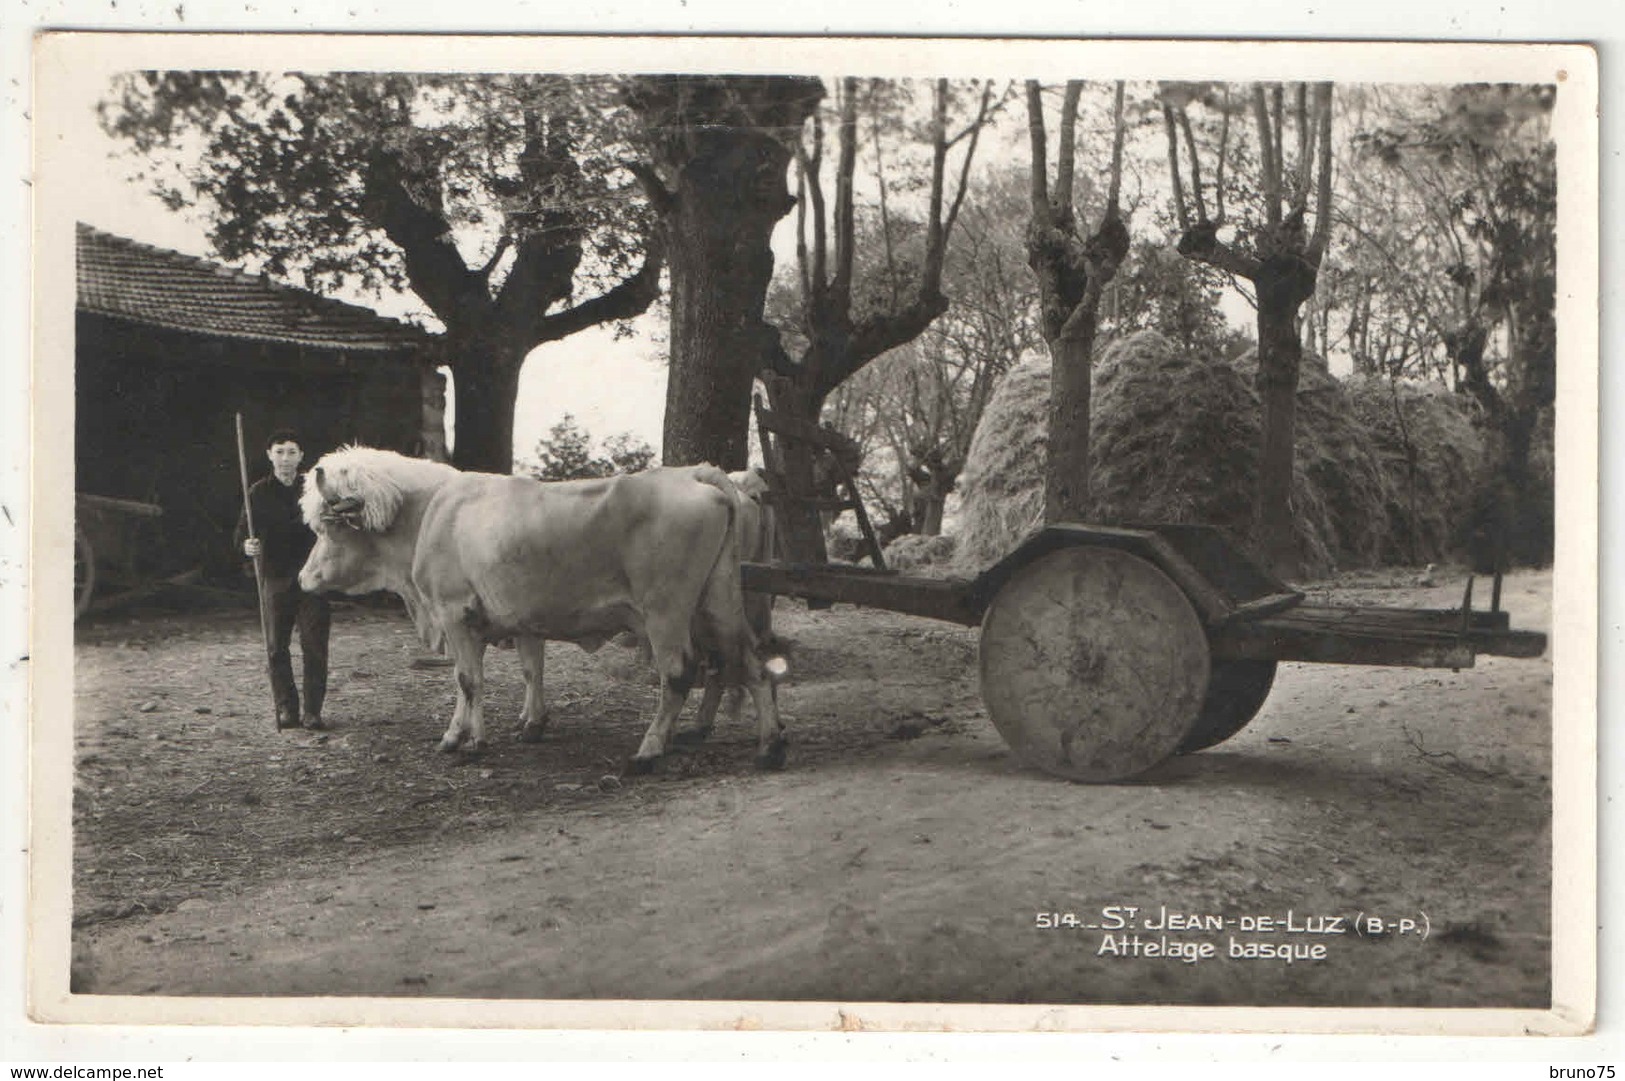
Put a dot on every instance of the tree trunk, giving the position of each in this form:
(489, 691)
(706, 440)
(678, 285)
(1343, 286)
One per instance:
(934, 502)
(1066, 480)
(727, 200)
(485, 382)
(1279, 355)
(800, 523)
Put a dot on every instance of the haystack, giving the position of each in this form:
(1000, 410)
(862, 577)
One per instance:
(1175, 439)
(1341, 492)
(1424, 438)
(1002, 484)
(915, 553)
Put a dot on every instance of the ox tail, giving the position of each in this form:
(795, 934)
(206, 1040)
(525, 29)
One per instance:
(769, 648)
(716, 478)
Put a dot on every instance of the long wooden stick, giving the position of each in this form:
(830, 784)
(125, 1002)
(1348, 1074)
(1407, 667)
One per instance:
(259, 574)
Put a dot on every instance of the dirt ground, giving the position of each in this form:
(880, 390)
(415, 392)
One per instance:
(902, 855)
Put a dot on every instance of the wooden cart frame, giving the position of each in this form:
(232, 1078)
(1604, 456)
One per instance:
(1106, 650)
(105, 548)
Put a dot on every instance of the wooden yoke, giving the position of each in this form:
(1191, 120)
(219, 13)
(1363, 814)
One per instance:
(785, 438)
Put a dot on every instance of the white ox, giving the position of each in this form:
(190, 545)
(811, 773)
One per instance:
(479, 557)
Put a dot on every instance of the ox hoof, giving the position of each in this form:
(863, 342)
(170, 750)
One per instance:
(474, 746)
(773, 757)
(532, 733)
(639, 767)
(449, 744)
(690, 737)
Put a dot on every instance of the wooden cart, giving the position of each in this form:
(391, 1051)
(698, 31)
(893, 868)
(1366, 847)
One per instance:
(107, 548)
(1104, 651)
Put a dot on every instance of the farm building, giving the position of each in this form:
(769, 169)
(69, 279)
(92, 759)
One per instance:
(169, 348)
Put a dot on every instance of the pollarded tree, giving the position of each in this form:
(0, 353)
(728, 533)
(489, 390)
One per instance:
(1271, 247)
(928, 396)
(852, 310)
(720, 148)
(1072, 271)
(496, 199)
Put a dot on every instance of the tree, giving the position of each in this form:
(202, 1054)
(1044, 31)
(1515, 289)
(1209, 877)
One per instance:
(918, 406)
(720, 149)
(1273, 252)
(566, 454)
(384, 181)
(1072, 272)
(850, 310)
(1482, 161)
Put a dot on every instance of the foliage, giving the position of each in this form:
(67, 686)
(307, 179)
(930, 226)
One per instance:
(1158, 290)
(499, 200)
(567, 454)
(288, 165)
(1479, 163)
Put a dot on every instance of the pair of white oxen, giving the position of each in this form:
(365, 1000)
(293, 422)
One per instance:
(479, 558)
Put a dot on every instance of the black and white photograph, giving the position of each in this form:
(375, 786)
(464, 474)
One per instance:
(790, 533)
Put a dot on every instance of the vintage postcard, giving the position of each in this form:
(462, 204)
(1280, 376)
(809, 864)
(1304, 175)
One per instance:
(1175, 465)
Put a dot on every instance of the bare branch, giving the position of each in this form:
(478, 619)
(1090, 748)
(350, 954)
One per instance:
(1170, 126)
(1323, 181)
(1300, 190)
(1268, 164)
(975, 131)
(801, 228)
(1039, 178)
(1066, 149)
(1196, 164)
(1278, 101)
(931, 273)
(1201, 243)
(1224, 149)
(629, 298)
(433, 265)
(1115, 189)
(846, 162)
(811, 164)
(885, 208)
(659, 196)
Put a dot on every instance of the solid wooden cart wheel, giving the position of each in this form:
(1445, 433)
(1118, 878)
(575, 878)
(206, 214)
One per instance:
(84, 572)
(1235, 693)
(1093, 664)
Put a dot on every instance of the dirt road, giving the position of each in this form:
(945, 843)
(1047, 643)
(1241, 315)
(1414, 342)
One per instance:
(902, 856)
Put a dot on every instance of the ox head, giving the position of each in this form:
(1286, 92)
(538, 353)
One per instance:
(346, 558)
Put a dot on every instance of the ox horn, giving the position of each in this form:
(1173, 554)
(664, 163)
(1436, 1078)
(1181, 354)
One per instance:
(321, 484)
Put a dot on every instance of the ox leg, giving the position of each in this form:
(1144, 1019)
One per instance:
(770, 738)
(467, 728)
(734, 703)
(705, 720)
(677, 668)
(534, 715)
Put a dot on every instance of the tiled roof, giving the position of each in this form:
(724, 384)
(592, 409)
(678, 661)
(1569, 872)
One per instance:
(128, 280)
